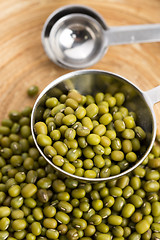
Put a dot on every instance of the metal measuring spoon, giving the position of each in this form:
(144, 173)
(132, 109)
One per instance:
(77, 37)
(91, 82)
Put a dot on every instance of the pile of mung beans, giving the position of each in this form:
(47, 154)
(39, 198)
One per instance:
(90, 136)
(37, 203)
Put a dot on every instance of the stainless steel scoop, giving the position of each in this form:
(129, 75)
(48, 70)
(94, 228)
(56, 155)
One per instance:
(91, 82)
(77, 37)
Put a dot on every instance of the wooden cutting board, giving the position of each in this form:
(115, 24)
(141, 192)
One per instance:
(23, 61)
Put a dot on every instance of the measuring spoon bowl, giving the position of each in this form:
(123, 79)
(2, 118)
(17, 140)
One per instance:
(92, 82)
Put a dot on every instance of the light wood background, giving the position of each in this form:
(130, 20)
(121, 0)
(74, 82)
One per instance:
(23, 61)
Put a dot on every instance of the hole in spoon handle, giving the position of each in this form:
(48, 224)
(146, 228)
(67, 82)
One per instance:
(133, 34)
(154, 94)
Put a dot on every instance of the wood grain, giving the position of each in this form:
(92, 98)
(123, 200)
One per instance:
(24, 63)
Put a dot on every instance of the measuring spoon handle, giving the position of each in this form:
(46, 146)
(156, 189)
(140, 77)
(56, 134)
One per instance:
(154, 94)
(133, 34)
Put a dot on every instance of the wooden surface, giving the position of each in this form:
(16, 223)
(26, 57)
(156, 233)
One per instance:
(23, 62)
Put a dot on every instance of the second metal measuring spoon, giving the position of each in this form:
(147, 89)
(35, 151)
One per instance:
(76, 36)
